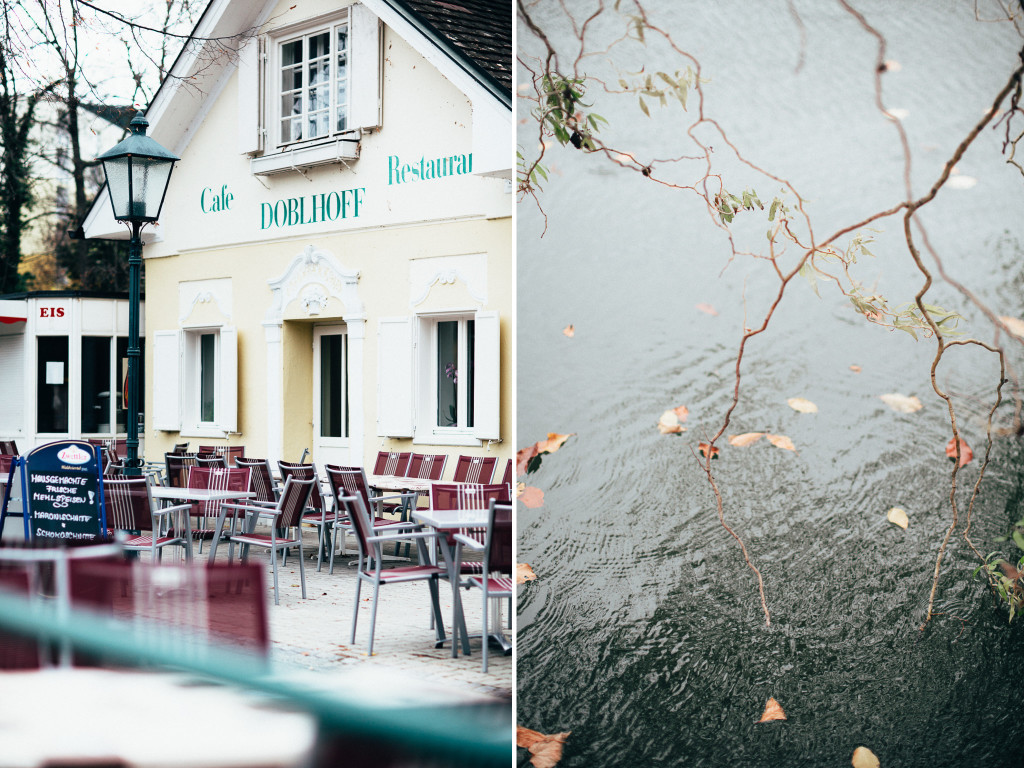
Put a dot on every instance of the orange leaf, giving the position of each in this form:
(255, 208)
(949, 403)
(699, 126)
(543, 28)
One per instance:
(524, 573)
(669, 423)
(530, 496)
(901, 403)
(966, 454)
(705, 447)
(523, 459)
(553, 443)
(855, 368)
(1014, 325)
(707, 308)
(781, 441)
(569, 330)
(681, 412)
(802, 405)
(864, 758)
(747, 438)
(772, 711)
(546, 750)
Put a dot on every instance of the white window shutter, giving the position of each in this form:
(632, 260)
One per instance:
(250, 97)
(394, 377)
(365, 41)
(487, 377)
(166, 380)
(227, 405)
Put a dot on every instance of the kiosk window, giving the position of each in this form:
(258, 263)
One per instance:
(52, 384)
(96, 380)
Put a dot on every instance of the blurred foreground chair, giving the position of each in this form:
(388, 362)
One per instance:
(495, 579)
(369, 541)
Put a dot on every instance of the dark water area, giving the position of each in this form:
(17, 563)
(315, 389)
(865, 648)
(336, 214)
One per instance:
(643, 633)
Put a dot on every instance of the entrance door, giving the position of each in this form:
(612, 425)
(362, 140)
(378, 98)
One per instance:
(330, 395)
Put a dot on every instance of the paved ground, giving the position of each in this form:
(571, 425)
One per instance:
(314, 634)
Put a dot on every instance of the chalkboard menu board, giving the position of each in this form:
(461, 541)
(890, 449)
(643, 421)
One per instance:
(63, 496)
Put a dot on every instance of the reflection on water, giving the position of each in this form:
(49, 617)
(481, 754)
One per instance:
(643, 633)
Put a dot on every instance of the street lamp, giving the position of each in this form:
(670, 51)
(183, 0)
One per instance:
(137, 170)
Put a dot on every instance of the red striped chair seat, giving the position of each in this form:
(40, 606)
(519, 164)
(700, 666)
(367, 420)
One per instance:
(263, 539)
(496, 585)
(410, 572)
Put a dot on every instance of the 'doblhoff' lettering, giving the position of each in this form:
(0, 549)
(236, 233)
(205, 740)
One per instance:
(311, 209)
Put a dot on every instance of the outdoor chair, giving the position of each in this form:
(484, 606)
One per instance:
(130, 508)
(231, 453)
(427, 466)
(465, 496)
(474, 469)
(506, 480)
(351, 481)
(317, 514)
(261, 479)
(177, 466)
(215, 478)
(392, 463)
(495, 580)
(17, 651)
(211, 460)
(285, 515)
(369, 541)
(180, 448)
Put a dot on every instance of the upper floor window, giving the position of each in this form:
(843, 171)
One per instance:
(314, 74)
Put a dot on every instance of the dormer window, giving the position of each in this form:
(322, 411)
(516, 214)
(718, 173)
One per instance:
(314, 85)
(308, 92)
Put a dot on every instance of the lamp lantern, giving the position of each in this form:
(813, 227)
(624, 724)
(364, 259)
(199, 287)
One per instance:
(138, 171)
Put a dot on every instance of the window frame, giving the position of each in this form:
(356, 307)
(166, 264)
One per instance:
(319, 331)
(276, 40)
(176, 382)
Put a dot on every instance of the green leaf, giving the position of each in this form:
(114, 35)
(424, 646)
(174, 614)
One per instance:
(643, 106)
(909, 330)
(667, 79)
(809, 273)
(533, 464)
(1018, 539)
(773, 209)
(682, 92)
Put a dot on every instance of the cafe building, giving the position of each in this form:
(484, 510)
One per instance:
(334, 266)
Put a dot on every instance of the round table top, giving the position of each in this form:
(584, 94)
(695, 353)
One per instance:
(146, 720)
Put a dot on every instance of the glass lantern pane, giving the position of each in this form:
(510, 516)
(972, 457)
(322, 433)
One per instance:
(116, 172)
(149, 180)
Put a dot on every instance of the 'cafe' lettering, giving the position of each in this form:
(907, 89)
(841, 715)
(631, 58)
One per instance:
(309, 209)
(212, 202)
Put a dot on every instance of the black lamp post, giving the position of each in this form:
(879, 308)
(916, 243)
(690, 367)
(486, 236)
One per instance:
(137, 170)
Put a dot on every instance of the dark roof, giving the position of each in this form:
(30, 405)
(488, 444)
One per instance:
(478, 32)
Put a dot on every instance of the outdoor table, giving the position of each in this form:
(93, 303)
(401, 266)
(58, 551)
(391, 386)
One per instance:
(164, 493)
(448, 521)
(398, 483)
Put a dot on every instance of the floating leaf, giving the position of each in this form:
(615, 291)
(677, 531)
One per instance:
(569, 330)
(707, 309)
(669, 424)
(864, 758)
(524, 573)
(772, 711)
(781, 441)
(966, 454)
(530, 496)
(1013, 325)
(553, 443)
(801, 405)
(855, 368)
(747, 438)
(682, 412)
(546, 750)
(901, 403)
(704, 448)
(898, 517)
